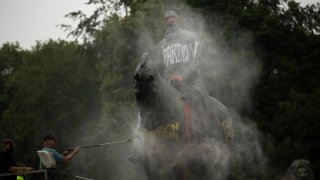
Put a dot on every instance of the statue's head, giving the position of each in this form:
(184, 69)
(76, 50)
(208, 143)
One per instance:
(300, 170)
(170, 18)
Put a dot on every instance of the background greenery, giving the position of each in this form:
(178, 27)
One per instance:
(84, 92)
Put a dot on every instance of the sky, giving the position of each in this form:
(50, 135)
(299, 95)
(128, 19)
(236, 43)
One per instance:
(28, 21)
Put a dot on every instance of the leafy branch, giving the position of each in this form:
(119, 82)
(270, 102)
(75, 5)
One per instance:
(88, 25)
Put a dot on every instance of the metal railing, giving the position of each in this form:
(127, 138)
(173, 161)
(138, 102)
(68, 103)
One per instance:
(45, 174)
(44, 171)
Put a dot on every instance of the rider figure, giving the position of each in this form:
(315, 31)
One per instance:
(180, 54)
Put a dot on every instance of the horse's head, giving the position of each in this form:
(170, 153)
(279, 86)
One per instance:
(144, 79)
(145, 91)
(154, 100)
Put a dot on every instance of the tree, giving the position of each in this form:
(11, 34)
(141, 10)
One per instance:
(53, 91)
(11, 58)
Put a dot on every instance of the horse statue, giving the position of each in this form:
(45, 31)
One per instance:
(162, 128)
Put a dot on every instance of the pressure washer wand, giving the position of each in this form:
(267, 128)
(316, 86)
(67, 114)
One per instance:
(108, 143)
(104, 144)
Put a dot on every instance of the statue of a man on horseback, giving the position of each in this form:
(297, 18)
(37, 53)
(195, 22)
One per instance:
(179, 120)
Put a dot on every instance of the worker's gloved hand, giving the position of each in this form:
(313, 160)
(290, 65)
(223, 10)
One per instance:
(65, 153)
(77, 149)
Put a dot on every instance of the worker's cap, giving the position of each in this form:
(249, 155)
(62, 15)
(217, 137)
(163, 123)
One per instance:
(49, 137)
(170, 14)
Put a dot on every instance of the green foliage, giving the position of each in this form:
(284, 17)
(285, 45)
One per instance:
(11, 58)
(89, 25)
(53, 89)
